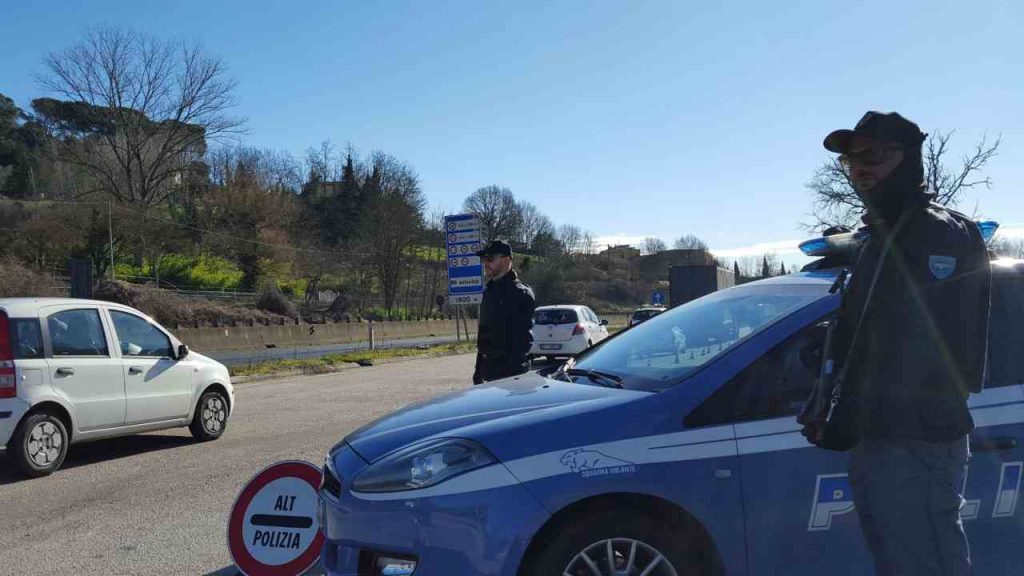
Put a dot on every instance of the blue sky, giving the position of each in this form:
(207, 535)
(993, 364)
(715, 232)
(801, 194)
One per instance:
(630, 119)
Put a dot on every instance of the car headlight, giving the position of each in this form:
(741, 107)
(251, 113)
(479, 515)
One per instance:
(422, 465)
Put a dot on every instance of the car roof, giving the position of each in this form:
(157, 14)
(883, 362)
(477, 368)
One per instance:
(22, 307)
(555, 306)
(642, 308)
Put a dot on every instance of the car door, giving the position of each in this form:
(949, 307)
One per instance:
(994, 525)
(157, 386)
(82, 367)
(601, 331)
(798, 512)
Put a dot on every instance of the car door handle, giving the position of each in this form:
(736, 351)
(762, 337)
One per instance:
(65, 371)
(993, 444)
(135, 370)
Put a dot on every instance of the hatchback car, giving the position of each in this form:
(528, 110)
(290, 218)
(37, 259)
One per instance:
(78, 370)
(644, 313)
(670, 449)
(565, 330)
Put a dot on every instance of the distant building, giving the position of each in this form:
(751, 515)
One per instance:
(620, 252)
(655, 267)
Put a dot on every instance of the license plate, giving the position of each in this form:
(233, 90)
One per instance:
(550, 346)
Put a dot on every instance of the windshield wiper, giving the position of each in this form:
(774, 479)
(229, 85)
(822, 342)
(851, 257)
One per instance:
(609, 380)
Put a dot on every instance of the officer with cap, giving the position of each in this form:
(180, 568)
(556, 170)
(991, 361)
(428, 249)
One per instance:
(506, 318)
(916, 347)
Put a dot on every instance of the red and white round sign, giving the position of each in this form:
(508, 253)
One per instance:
(273, 528)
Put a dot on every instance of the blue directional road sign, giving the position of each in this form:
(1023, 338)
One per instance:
(465, 273)
(657, 299)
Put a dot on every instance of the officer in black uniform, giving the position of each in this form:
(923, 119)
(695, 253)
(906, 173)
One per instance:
(506, 318)
(921, 350)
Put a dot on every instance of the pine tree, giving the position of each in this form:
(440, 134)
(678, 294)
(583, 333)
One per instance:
(736, 271)
(765, 271)
(782, 271)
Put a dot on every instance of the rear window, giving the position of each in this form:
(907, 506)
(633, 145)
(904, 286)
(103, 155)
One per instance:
(555, 316)
(26, 338)
(645, 314)
(1006, 332)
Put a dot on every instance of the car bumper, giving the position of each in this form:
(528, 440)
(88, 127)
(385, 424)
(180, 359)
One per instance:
(568, 348)
(476, 532)
(11, 412)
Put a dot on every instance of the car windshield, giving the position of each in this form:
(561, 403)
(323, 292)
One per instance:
(659, 353)
(555, 316)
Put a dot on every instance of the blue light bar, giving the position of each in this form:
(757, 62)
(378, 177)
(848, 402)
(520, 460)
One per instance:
(988, 229)
(816, 247)
(847, 242)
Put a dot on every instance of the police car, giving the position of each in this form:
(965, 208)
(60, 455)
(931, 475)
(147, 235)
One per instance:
(647, 459)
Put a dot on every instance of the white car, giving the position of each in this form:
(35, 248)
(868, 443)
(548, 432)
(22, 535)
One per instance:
(79, 370)
(645, 313)
(565, 330)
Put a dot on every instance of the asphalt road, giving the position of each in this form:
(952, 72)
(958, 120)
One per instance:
(158, 503)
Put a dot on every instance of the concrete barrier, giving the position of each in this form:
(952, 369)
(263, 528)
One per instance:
(295, 335)
(241, 337)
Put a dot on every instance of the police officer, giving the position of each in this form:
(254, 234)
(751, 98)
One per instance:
(915, 352)
(506, 318)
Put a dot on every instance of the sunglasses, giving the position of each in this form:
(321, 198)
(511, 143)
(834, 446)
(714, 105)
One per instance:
(869, 157)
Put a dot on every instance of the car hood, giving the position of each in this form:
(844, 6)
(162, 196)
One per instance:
(496, 404)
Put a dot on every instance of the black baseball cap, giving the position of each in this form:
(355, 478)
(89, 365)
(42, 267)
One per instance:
(889, 127)
(496, 248)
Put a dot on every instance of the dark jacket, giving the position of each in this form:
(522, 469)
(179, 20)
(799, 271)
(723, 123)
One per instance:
(924, 337)
(506, 329)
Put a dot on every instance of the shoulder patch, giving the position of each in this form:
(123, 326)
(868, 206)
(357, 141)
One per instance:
(941, 266)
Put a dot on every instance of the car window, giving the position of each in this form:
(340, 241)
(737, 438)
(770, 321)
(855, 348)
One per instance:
(774, 386)
(27, 337)
(1006, 331)
(77, 333)
(137, 337)
(674, 344)
(590, 315)
(555, 316)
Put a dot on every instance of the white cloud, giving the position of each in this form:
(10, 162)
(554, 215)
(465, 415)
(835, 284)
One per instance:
(779, 247)
(1010, 232)
(602, 242)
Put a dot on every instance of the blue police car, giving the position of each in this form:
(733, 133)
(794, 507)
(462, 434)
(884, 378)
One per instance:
(670, 449)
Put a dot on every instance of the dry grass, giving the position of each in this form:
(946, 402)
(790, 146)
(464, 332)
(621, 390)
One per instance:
(18, 280)
(174, 311)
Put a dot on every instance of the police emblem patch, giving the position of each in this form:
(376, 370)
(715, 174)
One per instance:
(941, 266)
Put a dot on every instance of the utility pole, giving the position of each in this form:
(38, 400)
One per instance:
(110, 233)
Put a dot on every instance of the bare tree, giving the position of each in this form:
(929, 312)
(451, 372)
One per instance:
(1007, 247)
(393, 222)
(249, 215)
(571, 238)
(136, 115)
(498, 211)
(531, 223)
(836, 202)
(654, 245)
(139, 110)
(690, 242)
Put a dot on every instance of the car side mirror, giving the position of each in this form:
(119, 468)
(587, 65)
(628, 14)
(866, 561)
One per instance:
(182, 352)
(604, 322)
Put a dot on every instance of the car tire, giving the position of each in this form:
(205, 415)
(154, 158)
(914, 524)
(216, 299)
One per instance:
(564, 551)
(210, 418)
(39, 444)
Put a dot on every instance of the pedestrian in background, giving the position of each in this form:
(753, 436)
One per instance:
(506, 318)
